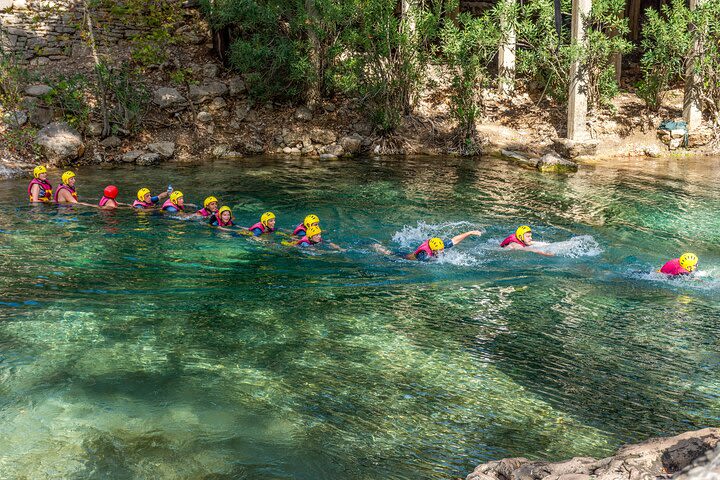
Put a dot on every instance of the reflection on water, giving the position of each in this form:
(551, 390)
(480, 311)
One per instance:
(137, 345)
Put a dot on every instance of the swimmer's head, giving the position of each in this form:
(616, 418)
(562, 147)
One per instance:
(144, 195)
(689, 261)
(68, 178)
(524, 234)
(311, 220)
(225, 213)
(268, 220)
(40, 170)
(177, 198)
(111, 191)
(436, 245)
(211, 203)
(314, 234)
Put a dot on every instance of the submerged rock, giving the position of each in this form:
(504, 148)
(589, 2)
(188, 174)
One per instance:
(520, 157)
(553, 163)
(655, 458)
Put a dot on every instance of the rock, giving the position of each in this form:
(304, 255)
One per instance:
(38, 90)
(700, 138)
(60, 143)
(328, 106)
(294, 138)
(94, 129)
(19, 4)
(39, 61)
(148, 159)
(241, 111)
(322, 136)
(307, 150)
(573, 149)
(291, 150)
(652, 151)
(351, 143)
(131, 156)
(111, 142)
(555, 164)
(327, 156)
(220, 150)
(203, 93)
(210, 70)
(303, 114)
(252, 147)
(40, 114)
(170, 98)
(520, 157)
(236, 86)
(204, 117)
(217, 104)
(164, 149)
(16, 119)
(675, 143)
(6, 4)
(333, 149)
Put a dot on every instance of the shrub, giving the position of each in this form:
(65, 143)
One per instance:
(123, 99)
(706, 60)
(68, 97)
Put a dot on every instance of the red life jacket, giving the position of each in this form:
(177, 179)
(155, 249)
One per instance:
(65, 187)
(425, 247)
(673, 268)
(262, 228)
(300, 228)
(138, 203)
(104, 200)
(204, 212)
(45, 192)
(168, 203)
(511, 239)
(220, 223)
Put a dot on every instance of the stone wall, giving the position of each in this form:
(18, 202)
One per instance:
(40, 33)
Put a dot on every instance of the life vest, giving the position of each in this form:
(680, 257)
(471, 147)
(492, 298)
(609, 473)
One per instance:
(104, 200)
(138, 203)
(263, 228)
(511, 239)
(45, 192)
(168, 203)
(300, 230)
(220, 223)
(673, 268)
(65, 187)
(204, 212)
(425, 247)
(307, 240)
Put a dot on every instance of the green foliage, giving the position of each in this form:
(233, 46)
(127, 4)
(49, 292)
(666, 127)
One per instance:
(123, 96)
(150, 48)
(68, 96)
(666, 44)
(13, 78)
(469, 45)
(706, 60)
(21, 141)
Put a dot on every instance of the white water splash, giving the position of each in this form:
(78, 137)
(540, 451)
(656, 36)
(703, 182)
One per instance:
(581, 246)
(409, 238)
(705, 279)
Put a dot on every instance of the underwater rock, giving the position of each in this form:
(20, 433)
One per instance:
(521, 157)
(657, 457)
(553, 163)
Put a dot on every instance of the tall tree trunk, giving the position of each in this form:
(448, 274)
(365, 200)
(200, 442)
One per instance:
(314, 92)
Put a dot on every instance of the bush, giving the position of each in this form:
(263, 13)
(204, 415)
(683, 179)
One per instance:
(123, 99)
(68, 97)
(706, 60)
(13, 78)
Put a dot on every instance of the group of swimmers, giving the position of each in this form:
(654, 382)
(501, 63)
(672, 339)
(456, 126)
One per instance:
(306, 234)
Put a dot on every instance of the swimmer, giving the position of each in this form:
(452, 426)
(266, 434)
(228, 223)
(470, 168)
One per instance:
(265, 225)
(109, 195)
(210, 207)
(65, 192)
(312, 237)
(436, 246)
(222, 218)
(39, 189)
(685, 265)
(145, 200)
(309, 221)
(522, 239)
(176, 202)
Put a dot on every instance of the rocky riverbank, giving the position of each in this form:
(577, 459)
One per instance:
(689, 456)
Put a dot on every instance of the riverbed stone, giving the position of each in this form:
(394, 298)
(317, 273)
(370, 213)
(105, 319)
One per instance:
(166, 97)
(60, 143)
(322, 136)
(164, 149)
(131, 156)
(111, 142)
(334, 149)
(351, 143)
(519, 157)
(38, 90)
(556, 164)
(205, 92)
(148, 159)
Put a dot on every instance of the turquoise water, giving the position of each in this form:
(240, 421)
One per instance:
(138, 345)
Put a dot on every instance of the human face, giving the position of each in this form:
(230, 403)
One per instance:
(71, 181)
(181, 201)
(212, 206)
(527, 238)
(43, 176)
(439, 252)
(271, 223)
(225, 216)
(147, 198)
(314, 224)
(316, 238)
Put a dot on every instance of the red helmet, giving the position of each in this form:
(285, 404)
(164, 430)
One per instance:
(110, 191)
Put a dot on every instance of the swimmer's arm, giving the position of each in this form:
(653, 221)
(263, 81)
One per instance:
(539, 252)
(35, 191)
(159, 196)
(459, 238)
(189, 204)
(65, 197)
(335, 247)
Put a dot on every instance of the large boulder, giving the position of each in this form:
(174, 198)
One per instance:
(322, 136)
(351, 143)
(148, 159)
(170, 98)
(555, 164)
(60, 143)
(208, 91)
(164, 149)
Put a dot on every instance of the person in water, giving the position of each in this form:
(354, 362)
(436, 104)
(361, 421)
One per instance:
(222, 218)
(685, 265)
(312, 237)
(109, 195)
(434, 247)
(146, 200)
(65, 192)
(522, 240)
(265, 225)
(176, 202)
(210, 207)
(39, 189)
(309, 221)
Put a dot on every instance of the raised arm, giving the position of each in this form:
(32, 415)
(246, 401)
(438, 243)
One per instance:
(459, 238)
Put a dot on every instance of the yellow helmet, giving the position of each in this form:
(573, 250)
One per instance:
(210, 200)
(67, 176)
(267, 216)
(521, 231)
(224, 208)
(141, 194)
(436, 244)
(688, 261)
(174, 196)
(312, 231)
(39, 170)
(310, 219)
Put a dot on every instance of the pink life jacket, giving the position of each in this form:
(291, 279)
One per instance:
(104, 200)
(221, 223)
(673, 268)
(425, 247)
(45, 192)
(307, 240)
(299, 228)
(262, 228)
(168, 203)
(138, 203)
(204, 212)
(511, 239)
(65, 187)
